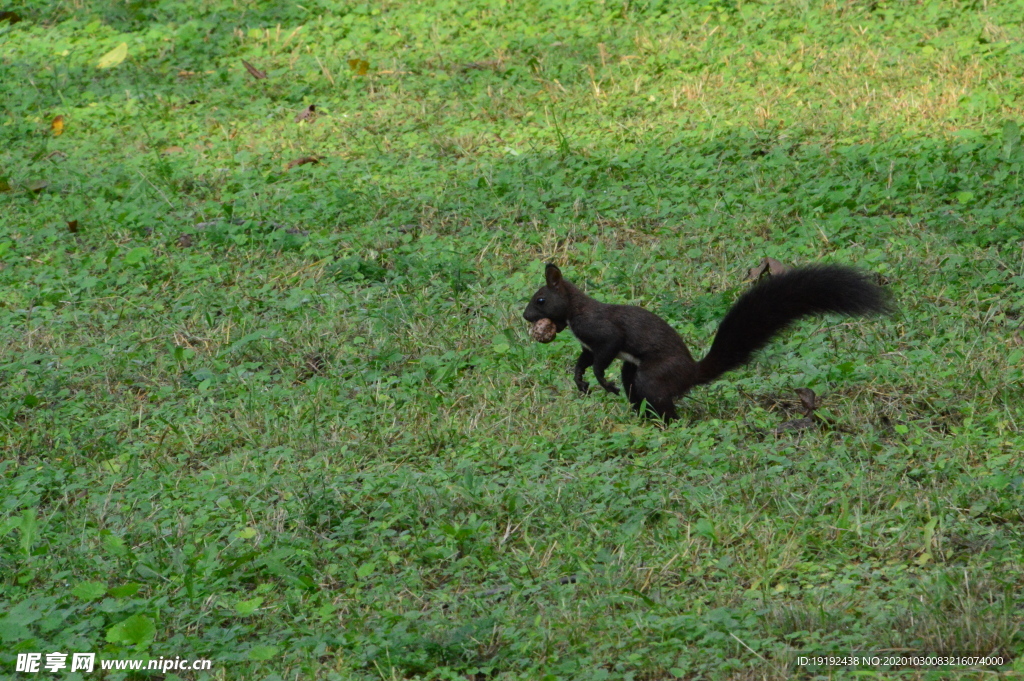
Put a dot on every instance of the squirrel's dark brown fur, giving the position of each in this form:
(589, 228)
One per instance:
(657, 366)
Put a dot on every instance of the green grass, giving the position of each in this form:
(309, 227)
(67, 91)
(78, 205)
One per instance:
(289, 418)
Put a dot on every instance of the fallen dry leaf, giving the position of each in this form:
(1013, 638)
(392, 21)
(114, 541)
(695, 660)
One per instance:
(315, 363)
(302, 161)
(808, 400)
(794, 425)
(492, 65)
(172, 150)
(360, 66)
(253, 71)
(73, 226)
(57, 125)
(771, 266)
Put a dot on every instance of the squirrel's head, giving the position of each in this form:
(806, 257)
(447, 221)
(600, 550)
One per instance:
(551, 301)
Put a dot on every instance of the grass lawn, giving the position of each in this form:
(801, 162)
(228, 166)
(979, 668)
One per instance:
(267, 398)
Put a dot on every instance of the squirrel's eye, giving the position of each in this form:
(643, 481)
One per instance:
(540, 301)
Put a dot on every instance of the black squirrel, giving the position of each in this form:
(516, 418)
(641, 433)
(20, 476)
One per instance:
(657, 367)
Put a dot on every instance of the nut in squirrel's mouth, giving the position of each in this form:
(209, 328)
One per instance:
(543, 330)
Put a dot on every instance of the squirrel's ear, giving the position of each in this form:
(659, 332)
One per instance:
(552, 275)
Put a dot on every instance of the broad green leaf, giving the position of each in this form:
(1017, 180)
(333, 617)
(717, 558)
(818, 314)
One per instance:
(1011, 139)
(115, 545)
(248, 607)
(114, 57)
(136, 255)
(137, 630)
(90, 591)
(29, 530)
(262, 653)
(125, 590)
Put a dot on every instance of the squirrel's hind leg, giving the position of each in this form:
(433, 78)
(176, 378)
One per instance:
(657, 386)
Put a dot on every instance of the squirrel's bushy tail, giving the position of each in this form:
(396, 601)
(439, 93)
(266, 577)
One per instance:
(775, 303)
